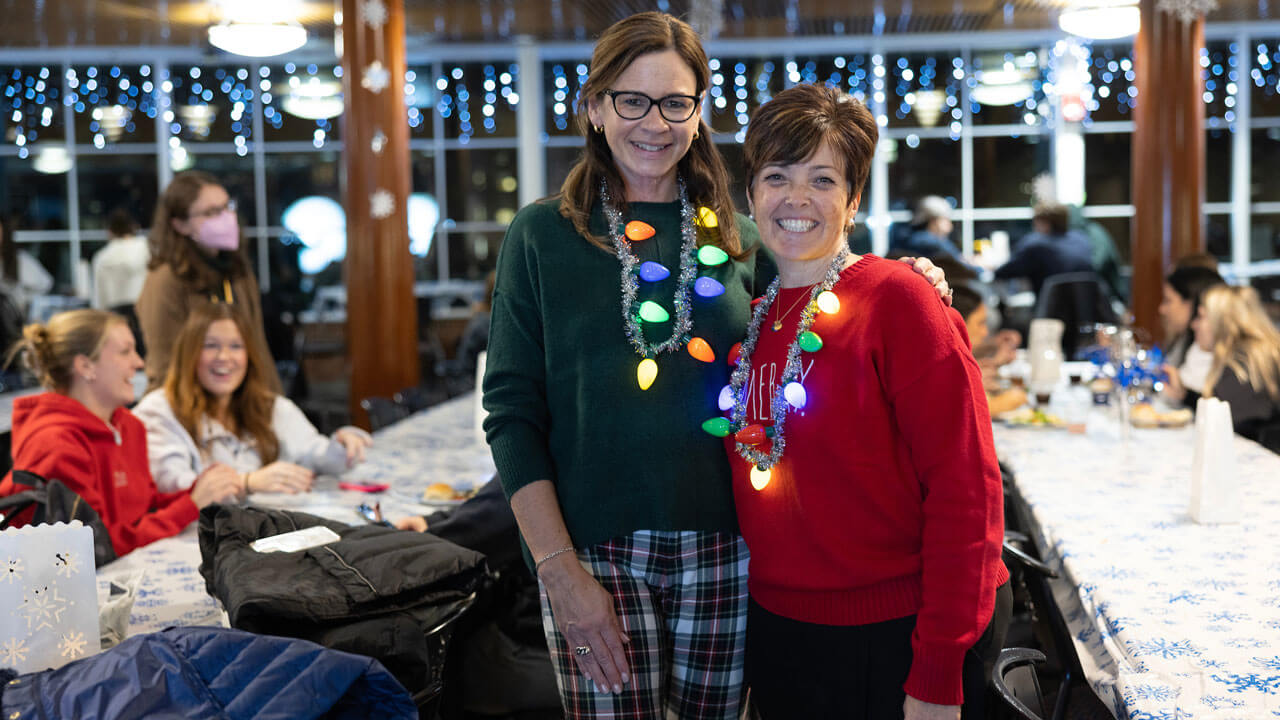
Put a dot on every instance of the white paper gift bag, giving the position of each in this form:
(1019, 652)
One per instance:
(1215, 488)
(49, 597)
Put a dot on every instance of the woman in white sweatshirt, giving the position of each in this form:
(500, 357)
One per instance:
(216, 409)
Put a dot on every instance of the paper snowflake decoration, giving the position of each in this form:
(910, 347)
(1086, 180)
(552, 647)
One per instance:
(1044, 189)
(378, 142)
(66, 563)
(14, 652)
(1187, 10)
(376, 77)
(11, 572)
(43, 609)
(381, 204)
(72, 645)
(374, 13)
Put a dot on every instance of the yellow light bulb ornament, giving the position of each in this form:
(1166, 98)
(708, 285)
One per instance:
(760, 477)
(646, 373)
(828, 302)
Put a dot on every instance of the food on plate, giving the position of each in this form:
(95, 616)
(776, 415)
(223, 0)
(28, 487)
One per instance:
(444, 492)
(1034, 417)
(1145, 415)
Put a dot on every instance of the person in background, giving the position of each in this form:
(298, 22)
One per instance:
(987, 350)
(1201, 260)
(120, 267)
(196, 259)
(1232, 325)
(1051, 248)
(1186, 364)
(12, 314)
(475, 337)
(877, 588)
(623, 502)
(931, 228)
(217, 412)
(23, 275)
(1105, 256)
(80, 432)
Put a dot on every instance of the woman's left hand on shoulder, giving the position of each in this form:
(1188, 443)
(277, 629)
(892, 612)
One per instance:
(354, 442)
(934, 274)
(914, 709)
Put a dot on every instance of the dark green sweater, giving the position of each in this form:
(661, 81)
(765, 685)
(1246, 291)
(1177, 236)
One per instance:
(560, 381)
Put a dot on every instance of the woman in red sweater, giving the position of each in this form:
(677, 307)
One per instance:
(864, 472)
(81, 433)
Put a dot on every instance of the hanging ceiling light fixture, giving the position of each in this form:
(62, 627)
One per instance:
(258, 28)
(314, 99)
(1101, 19)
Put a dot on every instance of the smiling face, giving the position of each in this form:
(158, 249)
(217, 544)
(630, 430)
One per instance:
(111, 374)
(646, 151)
(223, 360)
(804, 212)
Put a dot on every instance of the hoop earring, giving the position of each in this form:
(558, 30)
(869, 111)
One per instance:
(599, 129)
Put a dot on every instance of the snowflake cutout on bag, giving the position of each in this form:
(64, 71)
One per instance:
(44, 608)
(14, 651)
(12, 571)
(72, 645)
(381, 204)
(67, 563)
(374, 13)
(376, 77)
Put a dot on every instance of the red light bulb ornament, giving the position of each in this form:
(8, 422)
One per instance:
(790, 393)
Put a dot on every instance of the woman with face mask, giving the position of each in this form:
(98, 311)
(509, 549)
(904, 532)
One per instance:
(196, 259)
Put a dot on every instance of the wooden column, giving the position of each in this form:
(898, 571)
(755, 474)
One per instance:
(1168, 154)
(382, 317)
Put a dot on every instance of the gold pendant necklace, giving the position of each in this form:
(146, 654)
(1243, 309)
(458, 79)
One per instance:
(777, 319)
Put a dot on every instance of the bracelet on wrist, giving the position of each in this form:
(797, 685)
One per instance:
(554, 553)
(246, 484)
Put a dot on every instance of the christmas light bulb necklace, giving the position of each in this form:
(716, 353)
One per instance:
(782, 401)
(690, 256)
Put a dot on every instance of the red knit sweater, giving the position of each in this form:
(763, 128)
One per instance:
(887, 501)
(57, 438)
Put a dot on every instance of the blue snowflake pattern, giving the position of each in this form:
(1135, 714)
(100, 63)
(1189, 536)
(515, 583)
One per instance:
(1115, 573)
(1266, 684)
(1218, 628)
(1174, 714)
(1216, 584)
(1210, 664)
(1243, 643)
(1155, 692)
(1273, 601)
(1226, 616)
(1230, 555)
(1166, 649)
(1216, 702)
(1189, 598)
(1266, 663)
(1274, 624)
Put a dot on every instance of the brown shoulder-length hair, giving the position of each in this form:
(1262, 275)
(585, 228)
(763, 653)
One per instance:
(705, 176)
(178, 251)
(794, 124)
(251, 403)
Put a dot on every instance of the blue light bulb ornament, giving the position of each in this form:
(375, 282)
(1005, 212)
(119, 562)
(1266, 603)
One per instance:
(796, 395)
(651, 271)
(725, 401)
(708, 287)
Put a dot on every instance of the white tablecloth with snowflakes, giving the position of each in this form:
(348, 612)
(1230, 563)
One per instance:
(1172, 619)
(436, 445)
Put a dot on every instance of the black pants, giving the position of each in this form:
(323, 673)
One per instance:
(804, 670)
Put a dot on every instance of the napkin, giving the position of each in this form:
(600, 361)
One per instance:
(1215, 489)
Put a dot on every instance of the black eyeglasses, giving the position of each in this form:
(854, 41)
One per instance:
(635, 105)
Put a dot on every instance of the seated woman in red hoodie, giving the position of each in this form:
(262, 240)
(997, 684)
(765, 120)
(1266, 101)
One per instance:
(81, 433)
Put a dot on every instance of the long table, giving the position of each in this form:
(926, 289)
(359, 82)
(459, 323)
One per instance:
(436, 445)
(1172, 619)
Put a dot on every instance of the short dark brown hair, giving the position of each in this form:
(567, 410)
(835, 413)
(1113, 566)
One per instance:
(794, 124)
(1055, 215)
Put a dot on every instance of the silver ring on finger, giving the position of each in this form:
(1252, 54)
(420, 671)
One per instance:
(582, 650)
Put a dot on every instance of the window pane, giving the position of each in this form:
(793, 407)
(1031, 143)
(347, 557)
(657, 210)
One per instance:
(236, 175)
(559, 161)
(1265, 151)
(1003, 168)
(733, 161)
(420, 97)
(851, 73)
(1217, 161)
(562, 80)
(113, 103)
(215, 104)
(1106, 168)
(922, 90)
(1218, 73)
(109, 181)
(34, 200)
(31, 97)
(482, 185)
(1119, 229)
(1217, 236)
(423, 167)
(473, 254)
(1264, 237)
(292, 177)
(1007, 88)
(479, 100)
(301, 102)
(1264, 76)
(1111, 76)
(739, 86)
(932, 167)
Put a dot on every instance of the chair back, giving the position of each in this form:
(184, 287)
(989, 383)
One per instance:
(1075, 298)
(1014, 680)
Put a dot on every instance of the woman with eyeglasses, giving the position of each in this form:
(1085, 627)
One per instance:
(196, 259)
(617, 304)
